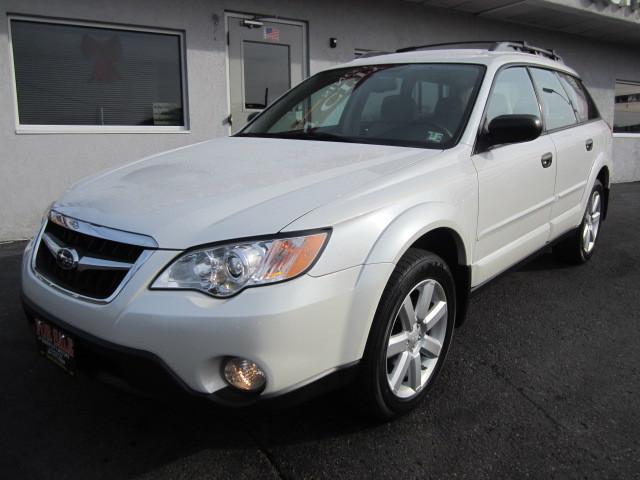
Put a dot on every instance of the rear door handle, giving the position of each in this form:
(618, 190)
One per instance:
(547, 160)
(589, 145)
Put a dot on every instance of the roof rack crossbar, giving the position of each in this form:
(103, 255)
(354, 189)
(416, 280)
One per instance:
(522, 46)
(493, 46)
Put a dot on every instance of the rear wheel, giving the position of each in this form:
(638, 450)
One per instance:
(410, 335)
(579, 247)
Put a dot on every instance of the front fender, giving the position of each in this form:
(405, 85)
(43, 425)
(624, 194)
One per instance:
(415, 222)
(391, 244)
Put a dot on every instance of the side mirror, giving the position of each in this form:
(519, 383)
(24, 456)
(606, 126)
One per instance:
(252, 115)
(512, 129)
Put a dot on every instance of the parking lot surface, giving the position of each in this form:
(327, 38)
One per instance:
(542, 381)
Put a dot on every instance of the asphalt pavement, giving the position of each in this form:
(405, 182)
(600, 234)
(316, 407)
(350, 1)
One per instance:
(543, 381)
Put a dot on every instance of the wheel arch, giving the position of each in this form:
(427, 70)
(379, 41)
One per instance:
(447, 243)
(604, 177)
(435, 227)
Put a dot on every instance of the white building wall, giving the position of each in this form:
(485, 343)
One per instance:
(626, 150)
(36, 168)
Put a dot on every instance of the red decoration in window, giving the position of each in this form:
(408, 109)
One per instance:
(104, 53)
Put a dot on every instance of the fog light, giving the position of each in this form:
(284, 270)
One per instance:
(244, 374)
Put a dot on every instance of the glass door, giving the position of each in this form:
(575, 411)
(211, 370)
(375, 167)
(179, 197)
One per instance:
(266, 59)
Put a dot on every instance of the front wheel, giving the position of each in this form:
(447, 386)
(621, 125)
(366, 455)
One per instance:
(410, 335)
(579, 247)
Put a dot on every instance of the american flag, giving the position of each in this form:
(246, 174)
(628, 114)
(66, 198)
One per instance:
(272, 34)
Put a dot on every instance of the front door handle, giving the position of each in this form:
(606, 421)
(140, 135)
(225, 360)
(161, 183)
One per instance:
(589, 145)
(547, 160)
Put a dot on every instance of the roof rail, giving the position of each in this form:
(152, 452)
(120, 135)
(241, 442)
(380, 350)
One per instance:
(447, 44)
(372, 53)
(522, 46)
(492, 46)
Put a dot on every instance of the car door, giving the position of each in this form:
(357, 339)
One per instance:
(576, 139)
(516, 183)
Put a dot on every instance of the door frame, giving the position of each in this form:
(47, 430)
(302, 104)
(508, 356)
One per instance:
(265, 18)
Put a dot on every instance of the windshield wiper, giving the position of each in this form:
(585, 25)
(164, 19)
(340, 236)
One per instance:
(302, 135)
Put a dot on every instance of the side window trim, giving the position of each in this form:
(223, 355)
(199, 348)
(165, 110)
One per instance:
(539, 99)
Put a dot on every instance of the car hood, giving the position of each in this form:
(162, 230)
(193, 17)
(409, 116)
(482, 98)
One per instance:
(230, 187)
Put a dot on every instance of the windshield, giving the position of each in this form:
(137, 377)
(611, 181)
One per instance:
(416, 105)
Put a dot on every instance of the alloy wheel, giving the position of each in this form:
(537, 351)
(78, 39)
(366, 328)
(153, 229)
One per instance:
(591, 223)
(416, 339)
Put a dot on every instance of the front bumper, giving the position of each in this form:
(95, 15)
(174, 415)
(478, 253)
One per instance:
(298, 331)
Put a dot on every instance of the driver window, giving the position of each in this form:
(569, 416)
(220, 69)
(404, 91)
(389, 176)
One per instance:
(512, 94)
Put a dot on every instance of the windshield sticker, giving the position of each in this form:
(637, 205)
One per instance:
(434, 137)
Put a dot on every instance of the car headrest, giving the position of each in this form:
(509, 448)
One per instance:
(398, 108)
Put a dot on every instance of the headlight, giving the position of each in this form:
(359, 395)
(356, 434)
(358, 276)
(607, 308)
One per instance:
(223, 271)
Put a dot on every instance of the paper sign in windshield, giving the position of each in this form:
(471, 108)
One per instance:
(434, 137)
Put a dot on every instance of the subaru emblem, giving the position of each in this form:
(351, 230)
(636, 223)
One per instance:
(67, 258)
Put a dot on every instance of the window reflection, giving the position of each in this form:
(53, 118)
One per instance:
(626, 118)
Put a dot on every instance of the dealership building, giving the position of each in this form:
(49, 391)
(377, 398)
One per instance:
(87, 86)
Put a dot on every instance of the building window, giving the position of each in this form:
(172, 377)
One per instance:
(83, 76)
(626, 117)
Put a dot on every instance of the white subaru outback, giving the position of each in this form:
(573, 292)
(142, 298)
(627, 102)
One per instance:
(335, 239)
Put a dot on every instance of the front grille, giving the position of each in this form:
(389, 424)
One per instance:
(95, 283)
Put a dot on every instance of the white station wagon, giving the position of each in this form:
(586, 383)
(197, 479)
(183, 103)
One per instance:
(335, 240)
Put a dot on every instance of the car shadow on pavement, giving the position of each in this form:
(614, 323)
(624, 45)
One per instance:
(544, 261)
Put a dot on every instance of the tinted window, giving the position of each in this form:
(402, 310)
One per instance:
(585, 109)
(266, 73)
(512, 93)
(79, 75)
(626, 117)
(593, 109)
(557, 107)
(423, 105)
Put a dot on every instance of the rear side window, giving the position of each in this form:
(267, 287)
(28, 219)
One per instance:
(512, 94)
(585, 109)
(593, 110)
(557, 107)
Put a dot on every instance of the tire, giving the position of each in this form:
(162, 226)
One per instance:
(396, 344)
(581, 244)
